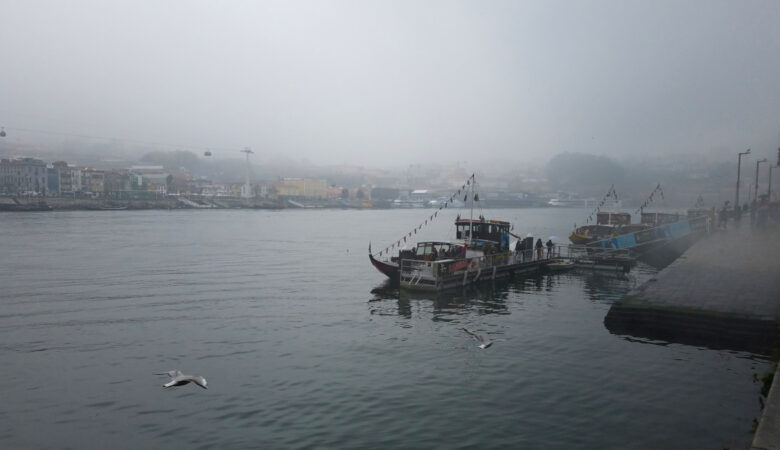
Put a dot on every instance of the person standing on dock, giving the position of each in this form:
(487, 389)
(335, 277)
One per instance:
(723, 216)
(539, 248)
(520, 249)
(549, 245)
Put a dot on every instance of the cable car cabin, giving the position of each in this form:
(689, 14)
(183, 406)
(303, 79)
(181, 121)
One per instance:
(483, 230)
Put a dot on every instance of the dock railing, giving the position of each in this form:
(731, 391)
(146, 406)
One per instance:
(587, 252)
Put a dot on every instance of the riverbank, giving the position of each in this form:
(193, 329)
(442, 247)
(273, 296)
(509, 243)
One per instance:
(23, 204)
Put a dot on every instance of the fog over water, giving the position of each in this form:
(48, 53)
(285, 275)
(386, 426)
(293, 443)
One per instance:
(382, 82)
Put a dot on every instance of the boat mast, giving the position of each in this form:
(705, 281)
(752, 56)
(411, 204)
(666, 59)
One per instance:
(471, 218)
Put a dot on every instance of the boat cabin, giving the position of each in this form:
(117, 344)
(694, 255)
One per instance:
(433, 250)
(480, 229)
(613, 218)
(656, 218)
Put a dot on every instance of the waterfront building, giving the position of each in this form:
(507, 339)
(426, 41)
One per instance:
(150, 178)
(23, 176)
(69, 178)
(302, 187)
(92, 181)
(116, 182)
(52, 181)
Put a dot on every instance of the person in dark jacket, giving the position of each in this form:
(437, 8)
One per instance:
(550, 246)
(539, 248)
(520, 249)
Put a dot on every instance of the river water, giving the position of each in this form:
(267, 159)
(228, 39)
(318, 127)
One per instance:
(304, 345)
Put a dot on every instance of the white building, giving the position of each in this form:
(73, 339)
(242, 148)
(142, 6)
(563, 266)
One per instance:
(23, 176)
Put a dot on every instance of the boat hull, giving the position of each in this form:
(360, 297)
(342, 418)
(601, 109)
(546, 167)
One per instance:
(436, 275)
(581, 239)
(389, 269)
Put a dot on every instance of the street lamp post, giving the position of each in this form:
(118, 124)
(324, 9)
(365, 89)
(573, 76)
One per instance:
(756, 191)
(739, 166)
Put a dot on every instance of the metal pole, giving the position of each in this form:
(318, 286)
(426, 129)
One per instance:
(756, 191)
(769, 187)
(739, 169)
(471, 217)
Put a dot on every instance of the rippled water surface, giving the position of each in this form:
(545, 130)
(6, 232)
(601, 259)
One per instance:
(304, 345)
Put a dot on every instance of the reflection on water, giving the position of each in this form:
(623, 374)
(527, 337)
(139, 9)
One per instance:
(491, 296)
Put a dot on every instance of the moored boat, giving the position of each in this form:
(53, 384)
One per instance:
(482, 249)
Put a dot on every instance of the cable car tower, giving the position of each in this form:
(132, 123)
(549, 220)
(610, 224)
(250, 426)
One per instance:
(246, 191)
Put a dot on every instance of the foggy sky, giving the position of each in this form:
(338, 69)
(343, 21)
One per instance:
(377, 83)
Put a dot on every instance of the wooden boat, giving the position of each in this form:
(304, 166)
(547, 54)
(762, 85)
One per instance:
(389, 268)
(481, 250)
(484, 254)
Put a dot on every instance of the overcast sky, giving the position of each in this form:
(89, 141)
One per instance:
(376, 83)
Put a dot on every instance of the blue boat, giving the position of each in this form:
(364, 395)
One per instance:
(659, 246)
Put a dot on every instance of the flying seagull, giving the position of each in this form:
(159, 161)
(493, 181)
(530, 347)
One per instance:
(483, 342)
(179, 379)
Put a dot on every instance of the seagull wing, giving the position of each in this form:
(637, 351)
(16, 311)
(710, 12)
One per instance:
(170, 373)
(476, 336)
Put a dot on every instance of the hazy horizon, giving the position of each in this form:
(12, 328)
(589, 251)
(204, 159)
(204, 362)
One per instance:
(394, 83)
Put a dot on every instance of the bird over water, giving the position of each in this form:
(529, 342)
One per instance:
(483, 341)
(179, 379)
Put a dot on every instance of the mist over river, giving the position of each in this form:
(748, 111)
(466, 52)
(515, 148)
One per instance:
(304, 344)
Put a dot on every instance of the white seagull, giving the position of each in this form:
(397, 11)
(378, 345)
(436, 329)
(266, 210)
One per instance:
(179, 379)
(483, 342)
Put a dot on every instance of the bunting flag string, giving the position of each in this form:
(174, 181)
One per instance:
(610, 193)
(646, 203)
(446, 204)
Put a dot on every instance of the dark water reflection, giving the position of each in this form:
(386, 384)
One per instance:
(305, 346)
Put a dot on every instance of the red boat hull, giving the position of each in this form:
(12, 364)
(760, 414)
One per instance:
(389, 269)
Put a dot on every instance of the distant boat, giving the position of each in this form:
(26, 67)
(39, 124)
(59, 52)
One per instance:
(571, 202)
(406, 203)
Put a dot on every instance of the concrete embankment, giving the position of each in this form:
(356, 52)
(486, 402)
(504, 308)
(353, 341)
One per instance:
(724, 292)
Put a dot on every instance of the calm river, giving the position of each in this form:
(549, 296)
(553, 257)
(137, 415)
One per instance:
(304, 346)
